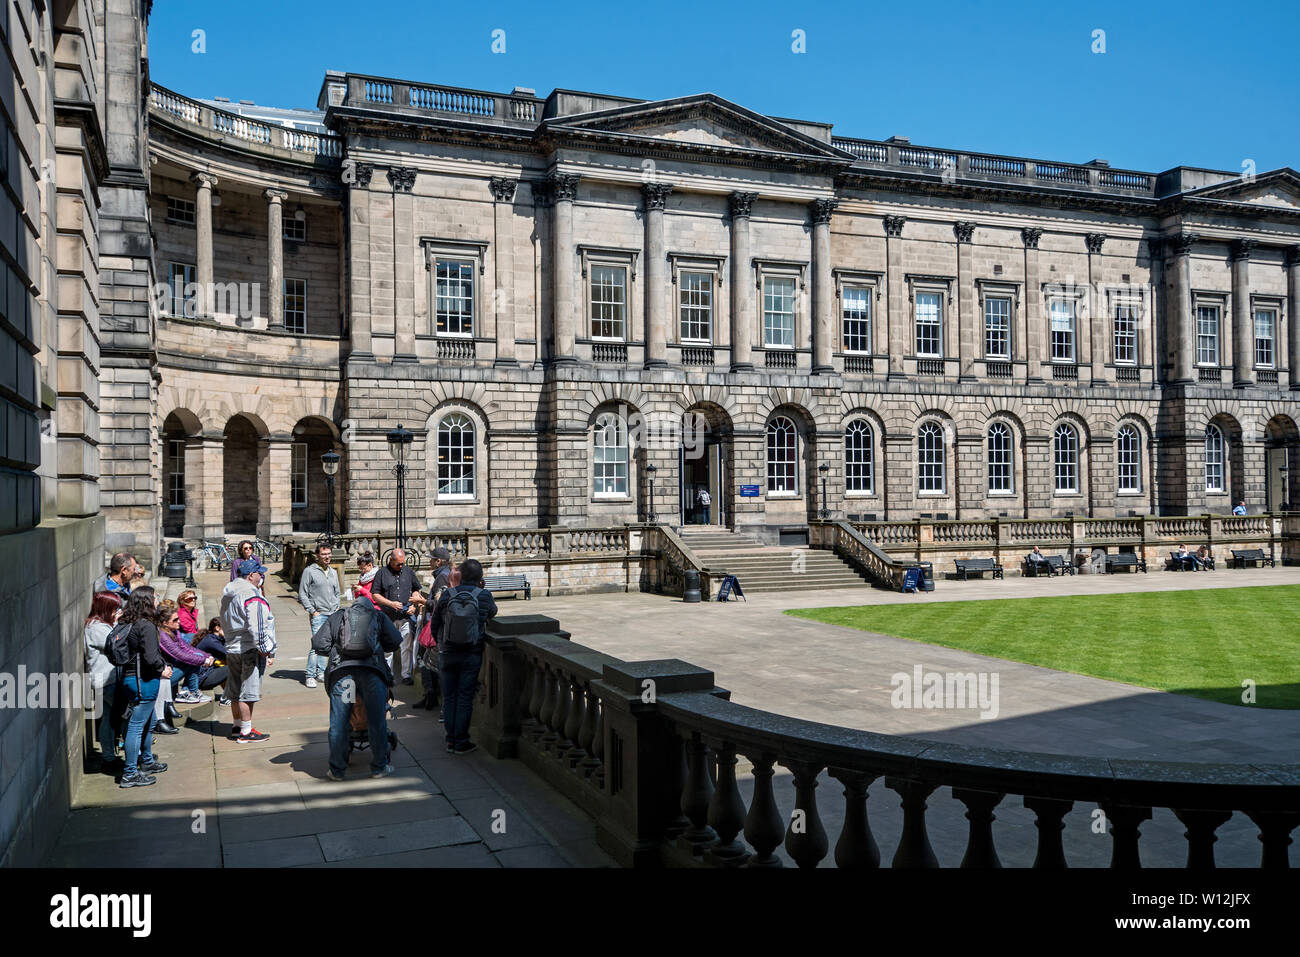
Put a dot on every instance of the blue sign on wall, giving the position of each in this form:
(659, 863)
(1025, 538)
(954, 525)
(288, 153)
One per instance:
(749, 491)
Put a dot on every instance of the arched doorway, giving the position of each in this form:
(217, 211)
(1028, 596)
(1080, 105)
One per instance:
(178, 428)
(309, 496)
(705, 466)
(241, 460)
(1281, 464)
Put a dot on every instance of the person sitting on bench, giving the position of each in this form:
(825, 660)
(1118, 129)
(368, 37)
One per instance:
(1186, 558)
(1038, 559)
(1204, 556)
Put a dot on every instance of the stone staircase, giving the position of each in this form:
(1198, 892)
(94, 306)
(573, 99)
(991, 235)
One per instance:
(769, 568)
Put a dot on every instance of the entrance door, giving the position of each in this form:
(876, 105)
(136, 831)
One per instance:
(1278, 468)
(706, 472)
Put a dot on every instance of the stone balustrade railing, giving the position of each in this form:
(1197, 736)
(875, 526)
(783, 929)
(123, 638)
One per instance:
(372, 91)
(854, 547)
(676, 558)
(650, 749)
(223, 123)
(982, 166)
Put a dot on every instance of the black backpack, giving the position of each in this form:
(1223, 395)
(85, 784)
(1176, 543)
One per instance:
(461, 630)
(117, 646)
(354, 633)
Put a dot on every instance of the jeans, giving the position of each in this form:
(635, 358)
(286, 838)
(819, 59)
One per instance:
(316, 663)
(190, 673)
(706, 514)
(139, 726)
(107, 733)
(459, 673)
(370, 687)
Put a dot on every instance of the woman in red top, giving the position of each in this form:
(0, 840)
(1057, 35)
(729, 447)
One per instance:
(187, 607)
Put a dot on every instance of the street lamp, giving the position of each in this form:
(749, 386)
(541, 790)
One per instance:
(330, 463)
(650, 476)
(398, 440)
(824, 468)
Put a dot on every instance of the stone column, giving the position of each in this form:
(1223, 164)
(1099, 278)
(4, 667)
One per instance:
(823, 291)
(503, 258)
(1034, 341)
(203, 241)
(897, 301)
(403, 181)
(275, 257)
(359, 255)
(563, 189)
(1098, 321)
(1292, 321)
(1181, 322)
(967, 320)
(742, 293)
(1151, 348)
(274, 506)
(656, 275)
(1243, 321)
(204, 486)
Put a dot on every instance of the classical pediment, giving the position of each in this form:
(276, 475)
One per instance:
(1279, 189)
(705, 122)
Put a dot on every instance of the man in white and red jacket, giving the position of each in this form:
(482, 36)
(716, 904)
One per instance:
(250, 637)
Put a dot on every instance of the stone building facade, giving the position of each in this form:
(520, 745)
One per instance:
(922, 332)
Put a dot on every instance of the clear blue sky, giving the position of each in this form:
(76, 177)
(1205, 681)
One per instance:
(1190, 83)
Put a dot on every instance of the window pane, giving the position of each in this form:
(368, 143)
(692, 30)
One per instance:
(929, 325)
(697, 306)
(778, 312)
(298, 475)
(456, 455)
(1213, 459)
(295, 305)
(176, 473)
(997, 328)
(454, 294)
(1264, 325)
(781, 451)
(608, 302)
(1065, 450)
(1000, 467)
(1126, 333)
(1207, 335)
(184, 300)
(856, 302)
(1127, 456)
(610, 456)
(1062, 330)
(930, 461)
(858, 459)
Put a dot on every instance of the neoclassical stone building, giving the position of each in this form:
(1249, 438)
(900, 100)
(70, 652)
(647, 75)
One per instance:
(541, 288)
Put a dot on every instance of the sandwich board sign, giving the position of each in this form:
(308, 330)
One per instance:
(729, 584)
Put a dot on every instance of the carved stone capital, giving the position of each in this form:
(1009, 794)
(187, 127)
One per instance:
(362, 173)
(741, 204)
(1184, 242)
(963, 231)
(894, 225)
(203, 179)
(1031, 235)
(401, 178)
(503, 188)
(1094, 241)
(1292, 256)
(655, 194)
(822, 210)
(276, 195)
(562, 187)
(1241, 248)
(1154, 249)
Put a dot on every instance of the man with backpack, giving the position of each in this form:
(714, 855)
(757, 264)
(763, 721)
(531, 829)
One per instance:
(353, 641)
(460, 622)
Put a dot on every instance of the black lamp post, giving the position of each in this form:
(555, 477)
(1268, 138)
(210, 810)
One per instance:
(398, 440)
(650, 476)
(824, 468)
(330, 463)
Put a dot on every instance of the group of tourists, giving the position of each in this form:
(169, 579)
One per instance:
(145, 654)
(438, 629)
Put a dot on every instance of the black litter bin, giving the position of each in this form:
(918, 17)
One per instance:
(927, 575)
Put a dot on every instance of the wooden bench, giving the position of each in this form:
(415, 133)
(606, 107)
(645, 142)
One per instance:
(499, 583)
(1241, 556)
(1125, 560)
(978, 565)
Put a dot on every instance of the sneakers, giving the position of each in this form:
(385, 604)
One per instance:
(135, 779)
(192, 697)
(469, 747)
(331, 776)
(383, 772)
(311, 682)
(223, 701)
(253, 735)
(451, 749)
(156, 768)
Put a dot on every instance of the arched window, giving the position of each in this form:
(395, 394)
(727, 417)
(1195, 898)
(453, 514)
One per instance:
(1001, 472)
(1128, 458)
(1065, 455)
(859, 475)
(929, 458)
(456, 456)
(610, 457)
(1214, 481)
(782, 450)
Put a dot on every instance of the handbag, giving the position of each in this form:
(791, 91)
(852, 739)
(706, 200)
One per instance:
(425, 637)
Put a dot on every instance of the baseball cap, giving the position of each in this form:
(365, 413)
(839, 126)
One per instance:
(442, 553)
(250, 565)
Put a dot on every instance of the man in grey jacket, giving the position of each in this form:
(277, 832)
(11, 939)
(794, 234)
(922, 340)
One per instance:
(320, 595)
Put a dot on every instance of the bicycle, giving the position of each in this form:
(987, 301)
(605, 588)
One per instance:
(266, 551)
(217, 554)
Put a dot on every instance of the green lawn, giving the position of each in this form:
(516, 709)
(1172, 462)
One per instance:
(1201, 642)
